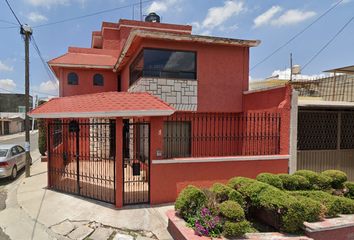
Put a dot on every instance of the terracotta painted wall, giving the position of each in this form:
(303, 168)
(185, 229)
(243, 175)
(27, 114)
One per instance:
(85, 85)
(222, 73)
(168, 180)
(274, 101)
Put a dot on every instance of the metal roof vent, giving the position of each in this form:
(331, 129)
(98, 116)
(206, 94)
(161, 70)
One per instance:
(152, 17)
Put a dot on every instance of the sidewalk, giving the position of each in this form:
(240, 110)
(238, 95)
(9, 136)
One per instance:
(15, 135)
(33, 212)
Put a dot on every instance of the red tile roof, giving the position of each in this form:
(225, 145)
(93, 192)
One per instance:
(84, 59)
(105, 104)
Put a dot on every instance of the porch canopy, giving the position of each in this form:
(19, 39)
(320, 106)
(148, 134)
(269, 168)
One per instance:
(346, 70)
(104, 104)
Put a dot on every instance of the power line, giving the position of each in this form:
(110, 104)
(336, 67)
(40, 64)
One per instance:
(296, 36)
(49, 72)
(328, 42)
(13, 13)
(8, 22)
(92, 14)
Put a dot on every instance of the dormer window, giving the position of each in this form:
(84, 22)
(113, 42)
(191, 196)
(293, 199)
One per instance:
(98, 80)
(73, 79)
(164, 64)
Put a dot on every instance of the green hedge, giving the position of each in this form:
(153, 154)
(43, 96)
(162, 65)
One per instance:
(334, 205)
(189, 201)
(337, 178)
(237, 182)
(294, 182)
(224, 193)
(271, 179)
(348, 190)
(232, 211)
(278, 203)
(236, 228)
(317, 181)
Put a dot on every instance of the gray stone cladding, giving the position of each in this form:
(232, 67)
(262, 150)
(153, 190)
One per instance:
(180, 94)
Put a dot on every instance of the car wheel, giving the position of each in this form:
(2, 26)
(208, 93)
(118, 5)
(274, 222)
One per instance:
(14, 173)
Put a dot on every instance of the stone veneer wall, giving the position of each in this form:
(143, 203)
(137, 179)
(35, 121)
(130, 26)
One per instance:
(180, 94)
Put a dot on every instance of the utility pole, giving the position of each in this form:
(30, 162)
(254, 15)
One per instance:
(35, 105)
(27, 32)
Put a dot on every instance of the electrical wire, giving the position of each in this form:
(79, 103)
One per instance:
(13, 13)
(92, 14)
(8, 22)
(49, 72)
(295, 36)
(328, 43)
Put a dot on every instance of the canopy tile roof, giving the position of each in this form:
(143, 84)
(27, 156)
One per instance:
(84, 60)
(105, 104)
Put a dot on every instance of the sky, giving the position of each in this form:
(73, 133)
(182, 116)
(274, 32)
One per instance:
(274, 22)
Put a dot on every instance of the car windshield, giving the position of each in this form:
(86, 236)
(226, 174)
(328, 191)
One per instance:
(3, 152)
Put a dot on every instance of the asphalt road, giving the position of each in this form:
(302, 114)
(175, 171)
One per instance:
(20, 140)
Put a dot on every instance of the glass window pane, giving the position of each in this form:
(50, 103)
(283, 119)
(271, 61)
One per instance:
(98, 80)
(73, 79)
(186, 75)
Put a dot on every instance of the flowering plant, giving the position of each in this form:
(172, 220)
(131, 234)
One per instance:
(205, 223)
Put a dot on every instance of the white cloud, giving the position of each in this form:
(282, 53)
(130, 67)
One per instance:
(266, 17)
(218, 15)
(293, 16)
(36, 17)
(168, 5)
(286, 75)
(49, 3)
(3, 67)
(229, 28)
(7, 84)
(49, 86)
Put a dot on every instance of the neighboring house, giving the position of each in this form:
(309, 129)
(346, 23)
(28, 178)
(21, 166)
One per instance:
(325, 126)
(12, 112)
(151, 108)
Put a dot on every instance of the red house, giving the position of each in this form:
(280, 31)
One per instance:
(151, 108)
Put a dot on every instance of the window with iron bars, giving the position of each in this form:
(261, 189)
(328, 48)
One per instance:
(188, 134)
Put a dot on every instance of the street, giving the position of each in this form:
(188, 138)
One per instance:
(20, 140)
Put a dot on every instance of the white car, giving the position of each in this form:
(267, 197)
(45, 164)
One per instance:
(12, 159)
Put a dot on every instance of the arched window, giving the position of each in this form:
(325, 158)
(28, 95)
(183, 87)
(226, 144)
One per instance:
(98, 80)
(73, 79)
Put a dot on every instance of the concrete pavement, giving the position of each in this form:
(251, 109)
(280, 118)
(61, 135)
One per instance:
(34, 212)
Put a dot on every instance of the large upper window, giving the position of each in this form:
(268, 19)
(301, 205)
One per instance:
(73, 79)
(98, 80)
(164, 64)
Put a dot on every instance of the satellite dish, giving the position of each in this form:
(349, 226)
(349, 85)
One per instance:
(296, 69)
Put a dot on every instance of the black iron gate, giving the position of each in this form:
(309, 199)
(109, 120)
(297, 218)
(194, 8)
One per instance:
(136, 155)
(81, 157)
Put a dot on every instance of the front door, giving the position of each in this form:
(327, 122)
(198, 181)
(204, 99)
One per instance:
(136, 155)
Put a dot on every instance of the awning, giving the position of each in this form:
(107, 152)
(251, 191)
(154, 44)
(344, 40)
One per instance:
(105, 104)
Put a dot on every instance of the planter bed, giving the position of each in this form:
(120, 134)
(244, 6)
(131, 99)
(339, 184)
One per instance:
(178, 229)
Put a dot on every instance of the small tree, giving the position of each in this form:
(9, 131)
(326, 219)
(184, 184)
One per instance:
(42, 133)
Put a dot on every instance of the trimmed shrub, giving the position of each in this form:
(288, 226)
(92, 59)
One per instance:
(221, 191)
(271, 179)
(236, 197)
(294, 182)
(314, 210)
(338, 178)
(232, 211)
(189, 201)
(236, 228)
(224, 193)
(251, 191)
(42, 135)
(285, 209)
(237, 182)
(348, 190)
(317, 181)
(332, 203)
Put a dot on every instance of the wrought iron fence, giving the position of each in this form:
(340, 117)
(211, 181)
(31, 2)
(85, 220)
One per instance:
(221, 134)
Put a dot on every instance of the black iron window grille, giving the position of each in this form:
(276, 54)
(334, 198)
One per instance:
(221, 134)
